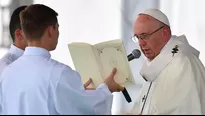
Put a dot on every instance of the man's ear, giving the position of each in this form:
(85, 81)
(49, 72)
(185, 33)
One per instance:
(19, 34)
(50, 30)
(166, 33)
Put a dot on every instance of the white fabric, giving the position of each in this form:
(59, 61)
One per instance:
(13, 54)
(157, 14)
(178, 81)
(37, 84)
(164, 59)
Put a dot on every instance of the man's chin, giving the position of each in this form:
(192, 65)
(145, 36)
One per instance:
(149, 56)
(51, 49)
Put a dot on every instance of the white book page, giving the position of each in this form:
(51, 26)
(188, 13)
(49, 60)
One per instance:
(85, 62)
(112, 54)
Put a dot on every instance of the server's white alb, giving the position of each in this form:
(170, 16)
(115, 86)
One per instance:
(36, 84)
(13, 54)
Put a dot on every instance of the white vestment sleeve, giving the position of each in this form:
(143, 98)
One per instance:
(70, 96)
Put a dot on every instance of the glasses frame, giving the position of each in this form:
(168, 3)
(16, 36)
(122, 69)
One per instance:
(135, 38)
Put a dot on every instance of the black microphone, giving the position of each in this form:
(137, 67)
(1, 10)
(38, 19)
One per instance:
(134, 55)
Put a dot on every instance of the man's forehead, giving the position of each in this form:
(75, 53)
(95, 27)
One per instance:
(144, 24)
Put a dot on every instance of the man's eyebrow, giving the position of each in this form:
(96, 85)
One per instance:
(143, 33)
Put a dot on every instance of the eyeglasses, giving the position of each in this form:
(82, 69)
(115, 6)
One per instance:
(143, 36)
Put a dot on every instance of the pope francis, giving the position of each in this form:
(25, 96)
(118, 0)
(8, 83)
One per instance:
(174, 75)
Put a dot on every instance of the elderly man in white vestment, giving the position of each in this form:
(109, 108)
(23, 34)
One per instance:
(37, 84)
(174, 75)
(19, 43)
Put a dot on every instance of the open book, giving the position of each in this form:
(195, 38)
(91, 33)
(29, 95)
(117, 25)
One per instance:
(97, 61)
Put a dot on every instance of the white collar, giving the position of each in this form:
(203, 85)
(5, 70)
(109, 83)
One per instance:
(150, 70)
(16, 51)
(37, 51)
